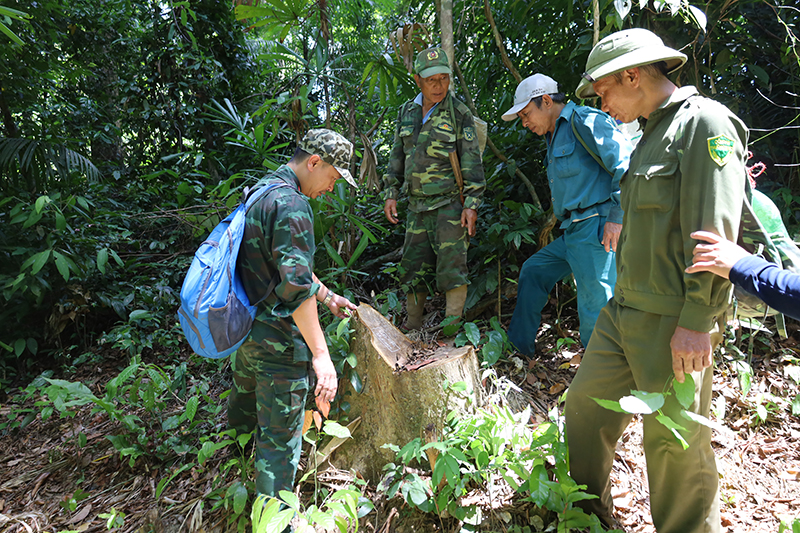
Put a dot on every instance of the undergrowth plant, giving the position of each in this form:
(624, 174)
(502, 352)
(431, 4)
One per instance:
(486, 452)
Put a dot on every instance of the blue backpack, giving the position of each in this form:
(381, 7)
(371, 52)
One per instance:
(215, 313)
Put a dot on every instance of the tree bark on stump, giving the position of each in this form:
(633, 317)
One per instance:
(398, 406)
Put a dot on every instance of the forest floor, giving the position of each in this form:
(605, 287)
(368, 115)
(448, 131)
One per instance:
(42, 471)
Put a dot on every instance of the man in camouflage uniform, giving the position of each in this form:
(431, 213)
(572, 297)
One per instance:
(686, 174)
(271, 369)
(428, 129)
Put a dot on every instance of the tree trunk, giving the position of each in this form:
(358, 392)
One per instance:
(398, 406)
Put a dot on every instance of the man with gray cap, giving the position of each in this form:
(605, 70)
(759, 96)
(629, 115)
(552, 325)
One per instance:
(435, 140)
(687, 174)
(586, 157)
(271, 369)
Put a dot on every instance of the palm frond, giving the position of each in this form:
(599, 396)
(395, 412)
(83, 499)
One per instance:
(41, 162)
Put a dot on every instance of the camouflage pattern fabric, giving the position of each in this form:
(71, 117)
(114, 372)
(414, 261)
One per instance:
(269, 396)
(333, 148)
(435, 242)
(420, 157)
(270, 371)
(279, 239)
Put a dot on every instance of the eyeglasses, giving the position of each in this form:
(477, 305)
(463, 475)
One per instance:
(588, 77)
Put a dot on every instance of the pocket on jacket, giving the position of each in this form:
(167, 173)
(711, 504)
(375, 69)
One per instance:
(564, 163)
(442, 140)
(654, 186)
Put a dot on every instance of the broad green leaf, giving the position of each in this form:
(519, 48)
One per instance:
(699, 17)
(640, 402)
(342, 327)
(239, 497)
(39, 260)
(19, 346)
(491, 352)
(334, 429)
(609, 404)
(290, 499)
(669, 423)
(472, 332)
(684, 392)
(61, 264)
(41, 202)
(102, 259)
(680, 438)
(32, 345)
(140, 314)
(700, 419)
(191, 408)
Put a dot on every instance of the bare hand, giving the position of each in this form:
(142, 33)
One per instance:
(691, 351)
(717, 257)
(341, 306)
(327, 382)
(611, 233)
(390, 210)
(468, 219)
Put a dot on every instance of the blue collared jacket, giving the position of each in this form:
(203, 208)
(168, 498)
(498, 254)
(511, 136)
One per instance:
(579, 187)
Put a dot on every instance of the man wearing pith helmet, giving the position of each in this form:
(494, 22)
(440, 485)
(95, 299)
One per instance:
(271, 370)
(586, 157)
(686, 174)
(441, 214)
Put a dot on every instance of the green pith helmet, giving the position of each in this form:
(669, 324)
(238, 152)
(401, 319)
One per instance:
(623, 50)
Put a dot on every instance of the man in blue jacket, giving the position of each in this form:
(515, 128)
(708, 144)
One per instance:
(584, 171)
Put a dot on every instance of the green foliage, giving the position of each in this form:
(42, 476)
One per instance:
(481, 451)
(340, 510)
(648, 403)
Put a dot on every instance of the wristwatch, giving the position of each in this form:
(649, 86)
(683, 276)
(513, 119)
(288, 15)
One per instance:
(328, 297)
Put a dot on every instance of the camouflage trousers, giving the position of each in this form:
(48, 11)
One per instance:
(435, 249)
(269, 396)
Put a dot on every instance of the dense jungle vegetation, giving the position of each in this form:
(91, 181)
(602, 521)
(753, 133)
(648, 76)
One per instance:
(129, 128)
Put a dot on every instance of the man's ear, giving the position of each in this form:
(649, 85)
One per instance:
(632, 77)
(312, 162)
(418, 80)
(547, 100)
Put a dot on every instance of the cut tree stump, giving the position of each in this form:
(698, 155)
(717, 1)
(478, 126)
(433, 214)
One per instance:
(403, 395)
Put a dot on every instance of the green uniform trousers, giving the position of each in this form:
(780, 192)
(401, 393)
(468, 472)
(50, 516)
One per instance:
(269, 395)
(629, 350)
(435, 242)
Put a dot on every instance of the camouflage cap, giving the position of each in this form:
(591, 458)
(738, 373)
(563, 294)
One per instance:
(431, 61)
(332, 148)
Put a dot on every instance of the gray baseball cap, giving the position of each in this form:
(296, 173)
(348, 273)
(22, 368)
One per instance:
(332, 148)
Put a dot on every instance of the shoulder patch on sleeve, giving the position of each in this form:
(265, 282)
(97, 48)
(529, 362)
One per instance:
(469, 133)
(720, 148)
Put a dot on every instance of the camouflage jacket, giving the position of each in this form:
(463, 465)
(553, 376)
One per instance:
(279, 239)
(420, 157)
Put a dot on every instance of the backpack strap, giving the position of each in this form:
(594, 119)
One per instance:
(250, 197)
(586, 146)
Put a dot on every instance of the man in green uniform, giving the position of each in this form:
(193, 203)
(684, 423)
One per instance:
(686, 174)
(271, 369)
(428, 129)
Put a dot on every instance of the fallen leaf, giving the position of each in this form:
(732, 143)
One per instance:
(575, 360)
(307, 422)
(324, 406)
(556, 388)
(531, 379)
(82, 514)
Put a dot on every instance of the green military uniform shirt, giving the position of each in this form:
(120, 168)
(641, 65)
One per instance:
(686, 174)
(420, 156)
(279, 239)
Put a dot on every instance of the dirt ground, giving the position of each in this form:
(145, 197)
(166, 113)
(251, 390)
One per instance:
(41, 467)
